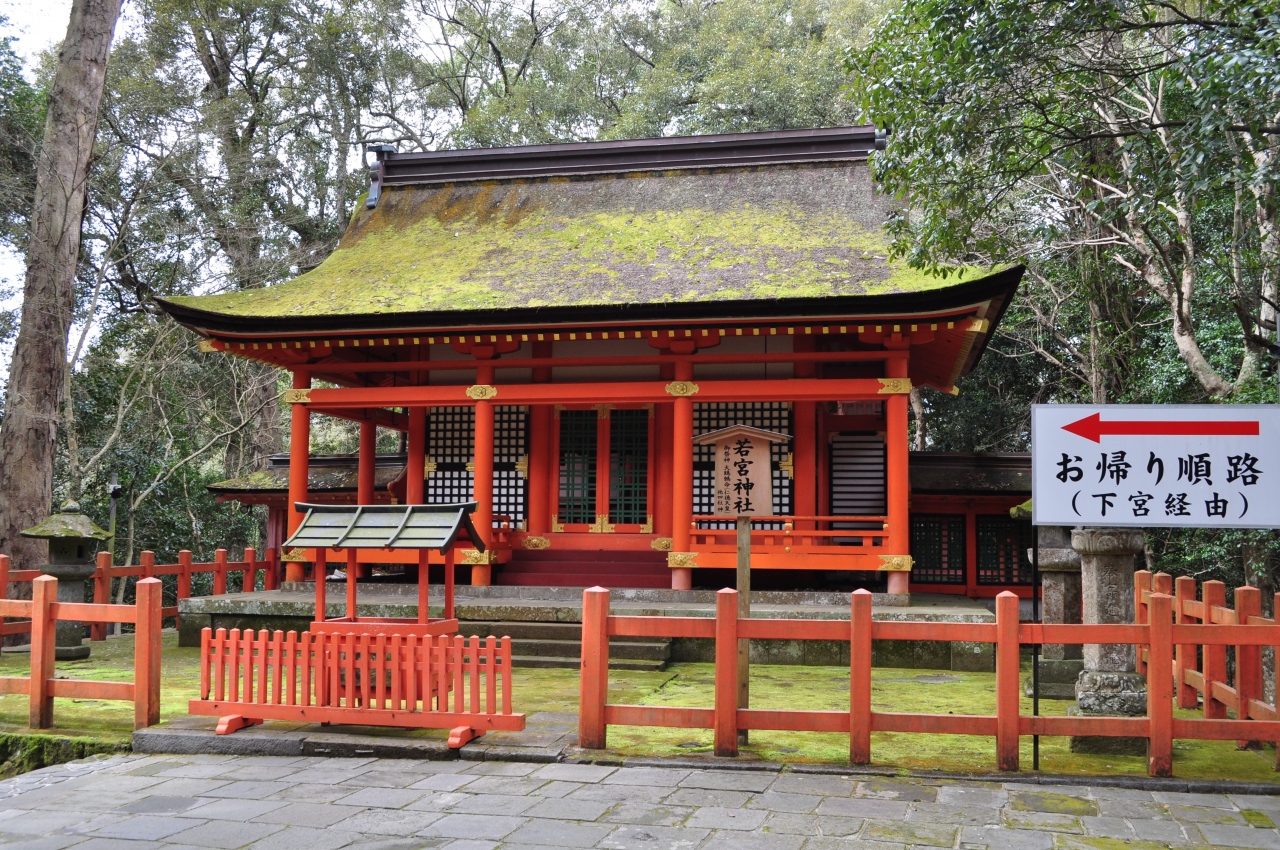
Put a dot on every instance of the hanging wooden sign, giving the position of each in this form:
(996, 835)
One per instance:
(744, 469)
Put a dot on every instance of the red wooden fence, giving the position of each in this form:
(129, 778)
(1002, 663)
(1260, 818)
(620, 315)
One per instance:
(366, 679)
(148, 568)
(1158, 634)
(44, 611)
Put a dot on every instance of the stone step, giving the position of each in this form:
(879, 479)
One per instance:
(584, 579)
(562, 642)
(546, 662)
(517, 630)
(631, 650)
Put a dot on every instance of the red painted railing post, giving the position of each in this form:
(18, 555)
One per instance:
(219, 572)
(101, 593)
(272, 579)
(593, 687)
(726, 705)
(1160, 686)
(1248, 658)
(1186, 657)
(250, 569)
(44, 592)
(146, 654)
(1215, 656)
(4, 577)
(184, 574)
(147, 560)
(860, 678)
(1008, 670)
(1141, 590)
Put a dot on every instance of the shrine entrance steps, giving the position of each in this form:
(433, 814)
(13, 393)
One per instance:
(559, 645)
(587, 568)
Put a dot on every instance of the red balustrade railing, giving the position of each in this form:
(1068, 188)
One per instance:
(1156, 637)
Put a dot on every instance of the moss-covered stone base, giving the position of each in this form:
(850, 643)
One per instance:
(24, 753)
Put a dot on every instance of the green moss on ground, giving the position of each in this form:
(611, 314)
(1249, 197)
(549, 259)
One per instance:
(101, 725)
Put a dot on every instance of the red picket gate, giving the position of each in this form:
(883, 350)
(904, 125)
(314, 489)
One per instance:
(378, 679)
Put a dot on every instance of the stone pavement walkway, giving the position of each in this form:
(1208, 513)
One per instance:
(313, 803)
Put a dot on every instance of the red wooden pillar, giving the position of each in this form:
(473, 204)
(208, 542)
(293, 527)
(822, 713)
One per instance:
(424, 573)
(353, 569)
(482, 478)
(146, 654)
(897, 486)
(804, 445)
(594, 689)
(538, 505)
(860, 678)
(726, 688)
(368, 449)
(1160, 686)
(320, 576)
(299, 461)
(1186, 657)
(682, 483)
(661, 486)
(603, 457)
(416, 462)
(1008, 670)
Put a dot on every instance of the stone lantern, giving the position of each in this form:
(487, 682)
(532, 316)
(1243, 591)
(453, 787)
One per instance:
(73, 540)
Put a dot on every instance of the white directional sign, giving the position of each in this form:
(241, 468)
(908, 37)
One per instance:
(1192, 466)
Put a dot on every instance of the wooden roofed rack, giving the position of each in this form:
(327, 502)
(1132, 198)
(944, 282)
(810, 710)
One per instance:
(385, 526)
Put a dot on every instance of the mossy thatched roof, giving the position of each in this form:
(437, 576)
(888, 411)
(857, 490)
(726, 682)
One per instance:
(727, 236)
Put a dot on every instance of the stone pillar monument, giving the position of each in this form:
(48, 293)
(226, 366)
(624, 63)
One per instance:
(73, 541)
(1108, 684)
(1060, 665)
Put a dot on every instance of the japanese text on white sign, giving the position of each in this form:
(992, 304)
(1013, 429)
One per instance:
(1194, 466)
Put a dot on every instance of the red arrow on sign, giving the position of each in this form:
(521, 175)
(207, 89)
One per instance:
(1093, 428)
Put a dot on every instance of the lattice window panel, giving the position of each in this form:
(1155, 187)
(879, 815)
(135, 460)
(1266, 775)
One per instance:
(577, 467)
(1002, 550)
(769, 415)
(856, 480)
(451, 443)
(938, 547)
(629, 467)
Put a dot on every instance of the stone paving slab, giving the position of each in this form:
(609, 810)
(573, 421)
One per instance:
(174, 802)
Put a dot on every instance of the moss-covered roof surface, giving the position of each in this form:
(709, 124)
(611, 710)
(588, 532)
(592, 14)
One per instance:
(726, 235)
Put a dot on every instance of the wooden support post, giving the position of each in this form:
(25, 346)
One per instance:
(1248, 658)
(482, 479)
(424, 578)
(273, 569)
(660, 488)
(352, 571)
(897, 486)
(1215, 657)
(860, 678)
(804, 461)
(4, 578)
(319, 572)
(184, 574)
(682, 479)
(367, 462)
(538, 509)
(101, 588)
(1141, 589)
(726, 700)
(416, 461)
(604, 441)
(1008, 668)
(448, 584)
(299, 460)
(1186, 658)
(744, 613)
(146, 654)
(250, 582)
(1160, 686)
(44, 592)
(593, 691)
(219, 570)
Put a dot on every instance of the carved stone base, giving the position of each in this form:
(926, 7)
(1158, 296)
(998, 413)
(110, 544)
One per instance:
(1057, 678)
(1101, 745)
(1103, 694)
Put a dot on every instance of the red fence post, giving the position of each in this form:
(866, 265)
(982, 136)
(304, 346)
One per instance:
(147, 560)
(1008, 671)
(44, 592)
(1248, 658)
(272, 579)
(1215, 656)
(101, 593)
(593, 686)
(4, 577)
(250, 569)
(1185, 657)
(184, 574)
(219, 572)
(1160, 686)
(146, 654)
(726, 705)
(1141, 588)
(860, 678)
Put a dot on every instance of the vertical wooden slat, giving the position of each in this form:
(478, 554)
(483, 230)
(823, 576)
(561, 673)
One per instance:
(219, 572)
(206, 659)
(44, 592)
(443, 650)
(490, 671)
(1007, 684)
(233, 655)
(349, 667)
(1141, 590)
(1187, 658)
(1160, 686)
(594, 678)
(860, 678)
(249, 640)
(726, 697)
(220, 665)
(289, 688)
(397, 672)
(264, 662)
(146, 654)
(311, 658)
(380, 670)
(473, 672)
(506, 675)
(1215, 657)
(455, 659)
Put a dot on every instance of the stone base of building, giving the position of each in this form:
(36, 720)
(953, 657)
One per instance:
(1103, 694)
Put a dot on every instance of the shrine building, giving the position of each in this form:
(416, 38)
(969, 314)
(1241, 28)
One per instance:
(615, 348)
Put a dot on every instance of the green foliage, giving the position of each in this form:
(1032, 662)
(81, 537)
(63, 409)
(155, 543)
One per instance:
(22, 107)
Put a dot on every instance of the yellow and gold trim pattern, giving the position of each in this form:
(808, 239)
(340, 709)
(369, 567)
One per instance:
(473, 557)
(894, 386)
(536, 543)
(297, 396)
(482, 392)
(660, 544)
(682, 389)
(896, 563)
(682, 560)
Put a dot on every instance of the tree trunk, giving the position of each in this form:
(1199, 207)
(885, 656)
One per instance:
(40, 354)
